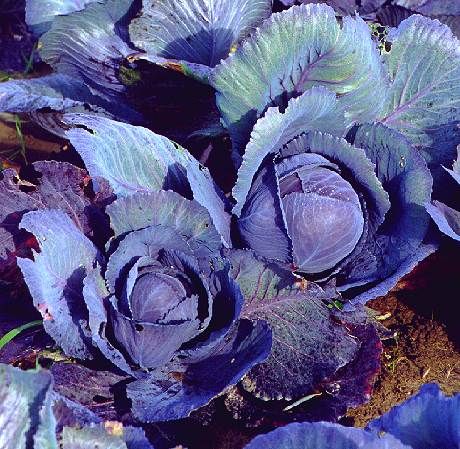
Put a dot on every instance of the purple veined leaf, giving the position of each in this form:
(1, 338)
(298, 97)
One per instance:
(154, 163)
(94, 294)
(292, 52)
(39, 17)
(427, 420)
(55, 277)
(26, 419)
(87, 45)
(423, 100)
(174, 395)
(262, 225)
(323, 435)
(58, 185)
(194, 34)
(317, 109)
(57, 92)
(308, 345)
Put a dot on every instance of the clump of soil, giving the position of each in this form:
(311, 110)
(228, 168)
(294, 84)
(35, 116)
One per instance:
(423, 313)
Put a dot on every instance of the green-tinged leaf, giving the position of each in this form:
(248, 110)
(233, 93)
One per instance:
(308, 346)
(291, 52)
(26, 419)
(196, 31)
(56, 274)
(168, 209)
(136, 160)
(424, 97)
(317, 109)
(86, 45)
(39, 17)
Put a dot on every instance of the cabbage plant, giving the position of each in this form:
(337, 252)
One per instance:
(150, 302)
(427, 420)
(348, 213)
(333, 174)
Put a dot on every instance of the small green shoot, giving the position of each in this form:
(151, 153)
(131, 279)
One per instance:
(29, 61)
(21, 139)
(4, 76)
(128, 76)
(335, 304)
(13, 333)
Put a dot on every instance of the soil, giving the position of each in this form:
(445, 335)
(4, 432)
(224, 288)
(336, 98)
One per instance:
(423, 312)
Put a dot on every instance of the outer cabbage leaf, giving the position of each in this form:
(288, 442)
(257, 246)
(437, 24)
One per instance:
(344, 7)
(60, 93)
(57, 92)
(322, 435)
(176, 394)
(350, 386)
(317, 109)
(39, 16)
(154, 163)
(424, 97)
(398, 244)
(57, 185)
(446, 218)
(428, 420)
(196, 31)
(308, 345)
(291, 52)
(87, 45)
(25, 409)
(98, 437)
(55, 275)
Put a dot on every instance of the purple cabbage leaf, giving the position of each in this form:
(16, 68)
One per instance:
(447, 218)
(323, 435)
(49, 184)
(427, 420)
(314, 346)
(136, 160)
